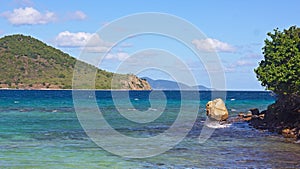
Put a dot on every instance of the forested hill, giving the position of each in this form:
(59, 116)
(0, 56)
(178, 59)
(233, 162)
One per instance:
(27, 63)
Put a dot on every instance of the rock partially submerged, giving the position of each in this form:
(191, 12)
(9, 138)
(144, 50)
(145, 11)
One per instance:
(217, 110)
(251, 114)
(282, 117)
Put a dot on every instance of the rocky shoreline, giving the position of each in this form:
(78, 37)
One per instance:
(282, 117)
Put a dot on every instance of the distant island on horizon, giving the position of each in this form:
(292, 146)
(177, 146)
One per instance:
(162, 84)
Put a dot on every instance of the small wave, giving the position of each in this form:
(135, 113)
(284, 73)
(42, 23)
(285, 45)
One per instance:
(234, 110)
(152, 109)
(136, 99)
(131, 109)
(297, 142)
(16, 102)
(232, 99)
(216, 124)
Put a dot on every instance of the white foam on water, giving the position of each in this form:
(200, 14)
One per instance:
(131, 109)
(215, 124)
(152, 109)
(232, 99)
(297, 142)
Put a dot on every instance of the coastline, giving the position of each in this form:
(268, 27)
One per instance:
(281, 117)
(58, 89)
(55, 89)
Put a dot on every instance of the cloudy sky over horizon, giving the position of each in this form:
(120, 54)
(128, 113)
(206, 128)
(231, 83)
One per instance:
(234, 29)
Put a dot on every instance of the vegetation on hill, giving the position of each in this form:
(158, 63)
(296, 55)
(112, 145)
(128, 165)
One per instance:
(26, 62)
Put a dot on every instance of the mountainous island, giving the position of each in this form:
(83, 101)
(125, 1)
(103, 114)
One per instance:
(172, 85)
(28, 63)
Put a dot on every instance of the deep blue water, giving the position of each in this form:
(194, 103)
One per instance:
(40, 129)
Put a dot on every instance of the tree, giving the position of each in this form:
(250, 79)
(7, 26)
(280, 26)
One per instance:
(280, 69)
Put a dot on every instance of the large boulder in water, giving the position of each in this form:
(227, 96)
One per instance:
(217, 110)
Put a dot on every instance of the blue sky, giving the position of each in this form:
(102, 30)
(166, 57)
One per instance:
(235, 28)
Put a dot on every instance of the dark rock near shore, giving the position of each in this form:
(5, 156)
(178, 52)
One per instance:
(254, 111)
(282, 117)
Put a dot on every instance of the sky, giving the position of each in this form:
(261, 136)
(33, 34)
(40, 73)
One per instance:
(233, 30)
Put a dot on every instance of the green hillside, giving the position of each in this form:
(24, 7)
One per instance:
(28, 63)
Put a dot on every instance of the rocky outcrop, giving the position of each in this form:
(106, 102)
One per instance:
(135, 83)
(250, 115)
(282, 117)
(217, 110)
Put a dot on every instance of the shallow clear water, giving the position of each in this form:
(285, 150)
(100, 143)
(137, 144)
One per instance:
(40, 129)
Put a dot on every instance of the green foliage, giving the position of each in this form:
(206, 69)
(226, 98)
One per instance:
(280, 70)
(61, 75)
(28, 61)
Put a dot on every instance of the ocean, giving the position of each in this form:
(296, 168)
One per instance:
(48, 129)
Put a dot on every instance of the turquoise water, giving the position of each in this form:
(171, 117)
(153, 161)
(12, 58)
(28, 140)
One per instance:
(40, 129)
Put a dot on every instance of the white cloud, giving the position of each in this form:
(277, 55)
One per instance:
(88, 41)
(28, 16)
(230, 69)
(241, 63)
(212, 45)
(253, 56)
(31, 16)
(121, 56)
(77, 15)
(244, 63)
(69, 39)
